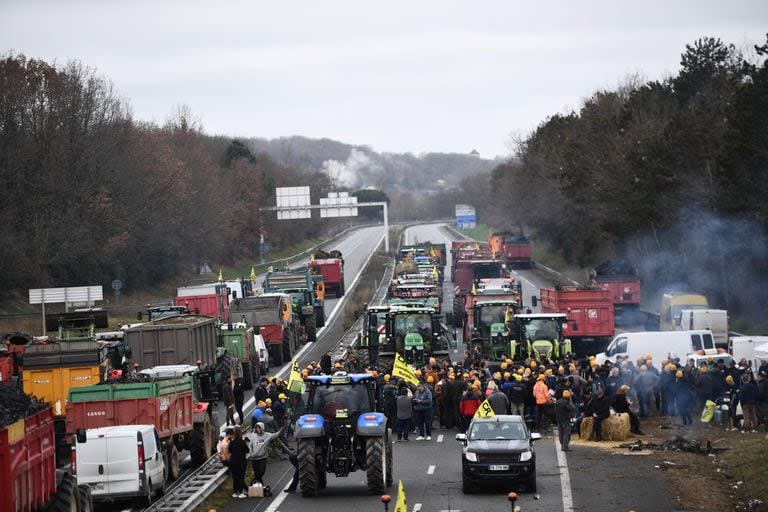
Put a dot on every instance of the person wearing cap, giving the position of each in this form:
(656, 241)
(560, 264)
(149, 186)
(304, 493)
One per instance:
(261, 393)
(258, 442)
(516, 394)
(422, 408)
(541, 396)
(683, 397)
(564, 410)
(498, 401)
(705, 387)
(600, 409)
(645, 383)
(622, 403)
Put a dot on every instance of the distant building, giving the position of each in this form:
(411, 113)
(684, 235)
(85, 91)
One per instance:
(475, 153)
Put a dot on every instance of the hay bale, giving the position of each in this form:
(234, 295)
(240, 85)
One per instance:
(616, 427)
(587, 427)
(406, 267)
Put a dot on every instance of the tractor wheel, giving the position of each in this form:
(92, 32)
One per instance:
(66, 497)
(320, 316)
(84, 498)
(201, 447)
(174, 465)
(247, 376)
(311, 328)
(276, 351)
(376, 463)
(341, 290)
(308, 474)
(322, 480)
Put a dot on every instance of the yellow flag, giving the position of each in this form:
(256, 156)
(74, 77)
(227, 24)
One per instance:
(506, 316)
(485, 410)
(402, 370)
(400, 504)
(295, 382)
(253, 275)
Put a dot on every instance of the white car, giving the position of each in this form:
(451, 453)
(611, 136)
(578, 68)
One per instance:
(120, 462)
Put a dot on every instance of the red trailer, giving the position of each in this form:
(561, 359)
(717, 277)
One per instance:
(28, 469)
(590, 315)
(620, 278)
(27, 462)
(467, 274)
(332, 270)
(165, 403)
(514, 250)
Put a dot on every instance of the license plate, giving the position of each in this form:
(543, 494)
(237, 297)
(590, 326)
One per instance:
(498, 467)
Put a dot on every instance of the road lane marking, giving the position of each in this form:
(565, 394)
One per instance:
(284, 369)
(565, 477)
(280, 498)
(417, 507)
(431, 470)
(440, 438)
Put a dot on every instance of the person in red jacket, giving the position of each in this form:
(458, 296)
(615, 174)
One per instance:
(468, 405)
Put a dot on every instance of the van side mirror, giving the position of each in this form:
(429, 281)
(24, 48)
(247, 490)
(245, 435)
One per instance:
(534, 300)
(81, 436)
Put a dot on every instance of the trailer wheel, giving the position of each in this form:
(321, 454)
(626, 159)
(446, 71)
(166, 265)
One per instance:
(174, 465)
(201, 447)
(311, 328)
(247, 375)
(341, 291)
(376, 464)
(66, 497)
(308, 474)
(84, 498)
(319, 316)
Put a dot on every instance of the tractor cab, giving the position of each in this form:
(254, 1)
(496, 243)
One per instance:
(492, 327)
(415, 333)
(541, 335)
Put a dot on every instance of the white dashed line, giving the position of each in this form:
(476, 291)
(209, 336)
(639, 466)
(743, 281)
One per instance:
(565, 477)
(440, 438)
(431, 470)
(417, 507)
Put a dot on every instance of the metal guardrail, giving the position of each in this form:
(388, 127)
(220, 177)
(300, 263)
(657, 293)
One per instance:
(192, 490)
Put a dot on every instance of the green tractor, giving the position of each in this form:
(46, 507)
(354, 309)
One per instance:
(307, 306)
(416, 333)
(541, 335)
(491, 328)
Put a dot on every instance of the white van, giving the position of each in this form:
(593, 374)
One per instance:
(659, 344)
(261, 350)
(751, 348)
(120, 462)
(716, 320)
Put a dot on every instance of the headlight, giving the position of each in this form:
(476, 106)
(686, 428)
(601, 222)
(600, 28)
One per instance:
(470, 456)
(526, 455)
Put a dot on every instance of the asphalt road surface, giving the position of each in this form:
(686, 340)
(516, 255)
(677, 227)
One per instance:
(586, 478)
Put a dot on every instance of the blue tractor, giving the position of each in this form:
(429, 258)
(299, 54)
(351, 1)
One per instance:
(342, 432)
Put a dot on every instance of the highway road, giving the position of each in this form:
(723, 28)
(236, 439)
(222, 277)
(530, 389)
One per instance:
(586, 478)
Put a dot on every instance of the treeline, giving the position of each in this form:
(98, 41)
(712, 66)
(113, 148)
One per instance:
(88, 194)
(670, 174)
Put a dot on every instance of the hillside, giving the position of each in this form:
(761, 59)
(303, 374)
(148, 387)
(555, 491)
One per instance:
(357, 166)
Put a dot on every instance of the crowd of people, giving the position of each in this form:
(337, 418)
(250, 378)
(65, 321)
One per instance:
(560, 391)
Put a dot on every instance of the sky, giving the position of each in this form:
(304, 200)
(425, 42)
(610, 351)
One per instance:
(398, 76)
